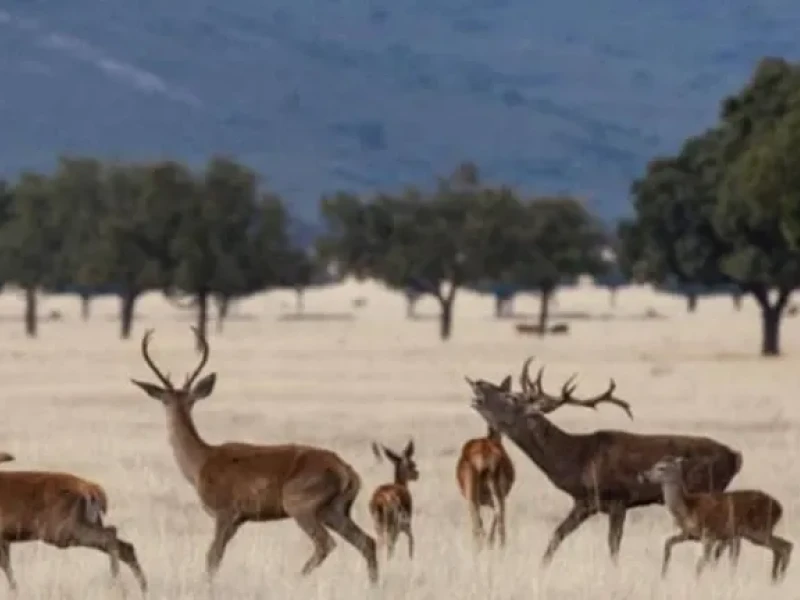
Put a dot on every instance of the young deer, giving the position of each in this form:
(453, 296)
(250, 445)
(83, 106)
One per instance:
(720, 518)
(238, 482)
(485, 475)
(391, 505)
(61, 510)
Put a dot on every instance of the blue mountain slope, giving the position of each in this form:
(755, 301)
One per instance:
(320, 95)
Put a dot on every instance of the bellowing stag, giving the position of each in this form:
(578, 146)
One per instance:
(599, 470)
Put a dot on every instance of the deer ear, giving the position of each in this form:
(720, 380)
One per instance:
(151, 390)
(408, 452)
(391, 455)
(204, 387)
(505, 385)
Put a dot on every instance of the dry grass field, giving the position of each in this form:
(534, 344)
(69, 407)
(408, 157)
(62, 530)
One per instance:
(67, 404)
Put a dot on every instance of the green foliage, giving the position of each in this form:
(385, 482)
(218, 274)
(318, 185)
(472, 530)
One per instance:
(553, 238)
(725, 209)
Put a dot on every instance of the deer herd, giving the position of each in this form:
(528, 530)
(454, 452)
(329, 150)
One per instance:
(606, 471)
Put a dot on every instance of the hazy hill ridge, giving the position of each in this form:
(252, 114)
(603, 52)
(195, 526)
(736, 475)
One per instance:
(326, 94)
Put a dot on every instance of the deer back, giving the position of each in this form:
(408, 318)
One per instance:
(263, 481)
(612, 460)
(485, 457)
(390, 502)
(33, 503)
(739, 510)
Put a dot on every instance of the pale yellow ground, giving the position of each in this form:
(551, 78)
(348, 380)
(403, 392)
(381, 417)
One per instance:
(67, 405)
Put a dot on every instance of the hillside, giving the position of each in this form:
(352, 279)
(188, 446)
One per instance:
(327, 94)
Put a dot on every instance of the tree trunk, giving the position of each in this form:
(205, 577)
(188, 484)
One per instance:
(446, 315)
(498, 306)
(223, 306)
(411, 305)
(737, 301)
(202, 316)
(299, 300)
(771, 315)
(86, 306)
(546, 294)
(31, 321)
(691, 302)
(612, 297)
(127, 303)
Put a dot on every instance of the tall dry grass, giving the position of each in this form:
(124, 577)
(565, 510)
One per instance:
(67, 405)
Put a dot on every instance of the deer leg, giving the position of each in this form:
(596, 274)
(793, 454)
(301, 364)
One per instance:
(339, 520)
(105, 540)
(781, 551)
(225, 527)
(323, 542)
(616, 525)
(393, 534)
(577, 516)
(678, 538)
(705, 557)
(410, 536)
(5, 564)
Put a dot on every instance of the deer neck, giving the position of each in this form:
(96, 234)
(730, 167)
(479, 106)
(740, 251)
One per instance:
(675, 500)
(190, 450)
(400, 477)
(556, 452)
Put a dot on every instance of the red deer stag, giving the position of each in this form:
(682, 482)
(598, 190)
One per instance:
(61, 510)
(485, 475)
(599, 470)
(719, 518)
(238, 482)
(391, 506)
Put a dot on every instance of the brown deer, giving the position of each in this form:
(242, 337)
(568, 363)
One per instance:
(719, 518)
(485, 476)
(61, 510)
(598, 470)
(391, 506)
(238, 482)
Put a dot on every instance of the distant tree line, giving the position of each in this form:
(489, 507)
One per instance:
(723, 213)
(205, 239)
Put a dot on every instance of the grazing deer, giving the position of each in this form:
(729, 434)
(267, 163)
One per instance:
(598, 470)
(238, 482)
(391, 505)
(485, 475)
(61, 510)
(719, 517)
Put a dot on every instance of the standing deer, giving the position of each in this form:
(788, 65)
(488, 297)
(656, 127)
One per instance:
(61, 510)
(485, 475)
(238, 482)
(598, 470)
(719, 517)
(391, 505)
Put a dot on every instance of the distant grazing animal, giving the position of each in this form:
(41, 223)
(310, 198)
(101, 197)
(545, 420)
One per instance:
(485, 476)
(391, 506)
(719, 518)
(61, 510)
(238, 482)
(599, 470)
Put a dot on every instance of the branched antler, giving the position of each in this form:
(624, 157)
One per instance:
(606, 397)
(203, 359)
(546, 403)
(146, 355)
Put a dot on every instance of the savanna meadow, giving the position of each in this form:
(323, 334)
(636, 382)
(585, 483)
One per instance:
(456, 389)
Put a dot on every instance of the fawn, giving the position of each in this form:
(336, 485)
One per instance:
(391, 505)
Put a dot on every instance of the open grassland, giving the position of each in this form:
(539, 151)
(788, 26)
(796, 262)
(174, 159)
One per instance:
(67, 405)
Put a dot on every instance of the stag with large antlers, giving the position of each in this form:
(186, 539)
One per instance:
(599, 470)
(239, 482)
(485, 476)
(62, 510)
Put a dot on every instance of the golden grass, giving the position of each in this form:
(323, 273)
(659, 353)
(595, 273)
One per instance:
(67, 405)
